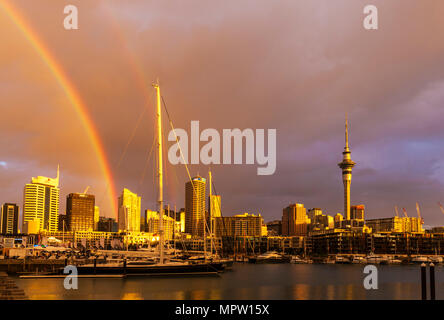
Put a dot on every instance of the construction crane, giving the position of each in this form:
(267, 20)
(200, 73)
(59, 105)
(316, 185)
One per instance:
(396, 210)
(441, 207)
(405, 212)
(419, 213)
(86, 190)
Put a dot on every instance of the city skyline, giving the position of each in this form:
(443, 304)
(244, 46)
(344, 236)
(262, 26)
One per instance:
(394, 114)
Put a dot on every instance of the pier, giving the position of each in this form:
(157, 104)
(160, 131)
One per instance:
(9, 289)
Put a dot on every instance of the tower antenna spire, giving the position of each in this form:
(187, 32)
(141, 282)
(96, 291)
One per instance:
(346, 165)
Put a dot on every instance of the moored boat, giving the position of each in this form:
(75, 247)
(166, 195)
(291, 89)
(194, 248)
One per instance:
(270, 257)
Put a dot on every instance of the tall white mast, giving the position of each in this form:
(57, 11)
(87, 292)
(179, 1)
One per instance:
(205, 231)
(211, 209)
(160, 170)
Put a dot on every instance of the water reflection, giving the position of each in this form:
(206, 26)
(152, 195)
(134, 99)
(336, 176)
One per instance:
(132, 296)
(301, 292)
(247, 281)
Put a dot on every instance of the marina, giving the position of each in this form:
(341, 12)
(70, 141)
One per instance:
(248, 281)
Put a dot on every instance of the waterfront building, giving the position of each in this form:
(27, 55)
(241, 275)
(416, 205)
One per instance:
(240, 225)
(321, 222)
(41, 201)
(396, 243)
(396, 224)
(9, 218)
(129, 211)
(80, 211)
(295, 220)
(437, 229)
(346, 165)
(32, 226)
(152, 223)
(195, 206)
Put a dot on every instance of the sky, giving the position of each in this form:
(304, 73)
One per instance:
(297, 66)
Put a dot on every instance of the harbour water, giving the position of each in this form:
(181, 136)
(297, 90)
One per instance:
(249, 281)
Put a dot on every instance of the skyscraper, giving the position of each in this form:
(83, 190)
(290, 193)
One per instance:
(80, 212)
(129, 211)
(214, 206)
(9, 218)
(41, 202)
(295, 220)
(346, 165)
(195, 206)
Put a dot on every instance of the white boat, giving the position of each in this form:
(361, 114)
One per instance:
(395, 261)
(342, 260)
(359, 260)
(269, 257)
(436, 259)
(373, 259)
(420, 259)
(297, 260)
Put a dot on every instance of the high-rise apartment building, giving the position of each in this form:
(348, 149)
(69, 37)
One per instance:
(396, 224)
(295, 220)
(80, 209)
(9, 218)
(195, 206)
(129, 211)
(248, 225)
(41, 203)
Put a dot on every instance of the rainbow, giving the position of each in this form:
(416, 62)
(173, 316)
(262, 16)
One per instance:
(136, 68)
(71, 93)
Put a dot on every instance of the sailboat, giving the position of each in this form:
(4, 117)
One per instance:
(162, 266)
(213, 256)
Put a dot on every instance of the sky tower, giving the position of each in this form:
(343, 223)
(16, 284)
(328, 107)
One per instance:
(346, 165)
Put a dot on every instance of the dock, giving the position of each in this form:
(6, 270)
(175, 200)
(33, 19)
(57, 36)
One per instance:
(37, 276)
(9, 289)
